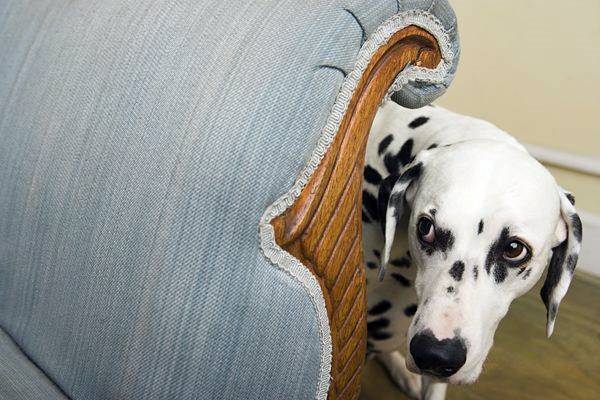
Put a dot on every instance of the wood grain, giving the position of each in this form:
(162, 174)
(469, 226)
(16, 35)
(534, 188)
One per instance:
(323, 227)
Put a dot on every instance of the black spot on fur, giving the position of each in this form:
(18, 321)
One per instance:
(410, 310)
(401, 279)
(433, 146)
(496, 249)
(475, 272)
(394, 200)
(370, 204)
(571, 263)
(417, 122)
(432, 212)
(450, 289)
(384, 144)
(380, 308)
(480, 227)
(527, 273)
(378, 324)
(426, 301)
(391, 163)
(401, 262)
(402, 158)
(555, 270)
(365, 217)
(375, 329)
(379, 335)
(494, 257)
(371, 265)
(500, 272)
(444, 239)
(577, 229)
(570, 197)
(383, 198)
(412, 173)
(456, 272)
(371, 175)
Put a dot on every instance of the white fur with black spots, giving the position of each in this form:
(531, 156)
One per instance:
(458, 221)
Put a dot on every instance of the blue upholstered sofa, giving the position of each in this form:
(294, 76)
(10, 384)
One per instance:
(155, 165)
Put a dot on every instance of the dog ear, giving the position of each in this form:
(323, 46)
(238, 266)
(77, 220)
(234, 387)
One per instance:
(564, 258)
(391, 201)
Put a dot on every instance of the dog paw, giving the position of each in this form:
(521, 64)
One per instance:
(408, 382)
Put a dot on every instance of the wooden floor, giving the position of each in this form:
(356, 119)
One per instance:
(523, 364)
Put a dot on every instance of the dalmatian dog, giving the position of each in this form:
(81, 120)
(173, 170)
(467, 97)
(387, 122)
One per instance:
(458, 221)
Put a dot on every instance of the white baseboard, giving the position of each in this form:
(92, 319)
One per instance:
(584, 164)
(589, 257)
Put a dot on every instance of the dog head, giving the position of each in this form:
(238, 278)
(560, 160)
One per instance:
(485, 220)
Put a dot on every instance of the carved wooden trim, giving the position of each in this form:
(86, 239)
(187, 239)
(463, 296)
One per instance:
(322, 228)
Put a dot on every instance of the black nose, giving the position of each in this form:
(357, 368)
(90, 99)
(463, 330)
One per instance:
(441, 358)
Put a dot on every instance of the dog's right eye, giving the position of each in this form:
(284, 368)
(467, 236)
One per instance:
(426, 230)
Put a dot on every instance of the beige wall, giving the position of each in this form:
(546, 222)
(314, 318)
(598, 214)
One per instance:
(532, 67)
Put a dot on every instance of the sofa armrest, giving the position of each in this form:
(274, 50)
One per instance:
(322, 228)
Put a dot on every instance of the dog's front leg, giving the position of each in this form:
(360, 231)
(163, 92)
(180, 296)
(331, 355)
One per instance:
(432, 390)
(409, 382)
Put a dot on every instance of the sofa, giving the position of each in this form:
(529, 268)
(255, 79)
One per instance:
(180, 190)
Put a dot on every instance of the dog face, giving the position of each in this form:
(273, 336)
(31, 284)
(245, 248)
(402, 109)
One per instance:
(485, 221)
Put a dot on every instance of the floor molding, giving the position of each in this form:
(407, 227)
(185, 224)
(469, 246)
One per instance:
(576, 162)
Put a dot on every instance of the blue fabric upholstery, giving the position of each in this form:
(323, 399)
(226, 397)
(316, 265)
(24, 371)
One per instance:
(140, 142)
(20, 379)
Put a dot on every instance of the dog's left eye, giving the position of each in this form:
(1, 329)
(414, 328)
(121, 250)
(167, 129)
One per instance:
(515, 252)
